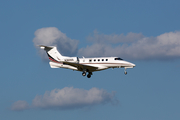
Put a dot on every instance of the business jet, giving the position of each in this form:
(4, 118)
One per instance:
(85, 65)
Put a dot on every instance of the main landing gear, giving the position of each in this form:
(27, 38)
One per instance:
(84, 74)
(89, 74)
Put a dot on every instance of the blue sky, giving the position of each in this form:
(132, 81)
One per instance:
(148, 33)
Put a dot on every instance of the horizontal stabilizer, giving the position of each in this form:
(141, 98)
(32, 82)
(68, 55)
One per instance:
(46, 47)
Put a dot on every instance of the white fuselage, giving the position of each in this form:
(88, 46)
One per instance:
(84, 64)
(100, 63)
(105, 63)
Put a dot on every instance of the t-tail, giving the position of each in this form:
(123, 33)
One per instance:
(56, 58)
(52, 53)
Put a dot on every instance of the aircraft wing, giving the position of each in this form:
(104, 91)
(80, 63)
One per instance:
(82, 66)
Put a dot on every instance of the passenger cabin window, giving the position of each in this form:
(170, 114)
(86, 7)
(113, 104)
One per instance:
(90, 60)
(106, 59)
(118, 59)
(94, 60)
(102, 59)
(98, 59)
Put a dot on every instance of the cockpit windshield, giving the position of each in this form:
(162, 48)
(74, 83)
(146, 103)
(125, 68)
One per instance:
(118, 59)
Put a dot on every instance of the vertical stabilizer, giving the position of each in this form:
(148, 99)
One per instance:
(52, 53)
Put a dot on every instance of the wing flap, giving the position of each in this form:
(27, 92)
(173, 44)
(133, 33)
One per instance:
(80, 67)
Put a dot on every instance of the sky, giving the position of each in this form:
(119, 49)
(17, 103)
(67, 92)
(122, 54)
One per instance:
(146, 33)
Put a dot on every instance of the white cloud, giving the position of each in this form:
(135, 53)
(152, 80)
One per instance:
(138, 47)
(51, 36)
(68, 98)
(133, 46)
(20, 105)
(114, 38)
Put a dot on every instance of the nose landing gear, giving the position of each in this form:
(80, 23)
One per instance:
(125, 72)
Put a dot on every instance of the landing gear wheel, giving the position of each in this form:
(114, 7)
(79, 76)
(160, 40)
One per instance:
(125, 72)
(88, 76)
(83, 74)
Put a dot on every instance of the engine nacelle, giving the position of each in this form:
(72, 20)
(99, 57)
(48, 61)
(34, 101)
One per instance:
(71, 59)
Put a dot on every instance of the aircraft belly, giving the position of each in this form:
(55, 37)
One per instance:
(99, 67)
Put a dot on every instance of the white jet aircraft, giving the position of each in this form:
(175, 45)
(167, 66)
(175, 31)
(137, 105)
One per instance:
(84, 64)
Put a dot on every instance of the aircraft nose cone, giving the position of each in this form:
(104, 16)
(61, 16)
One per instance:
(133, 65)
(130, 64)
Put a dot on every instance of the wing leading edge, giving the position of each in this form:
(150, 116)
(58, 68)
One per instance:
(82, 67)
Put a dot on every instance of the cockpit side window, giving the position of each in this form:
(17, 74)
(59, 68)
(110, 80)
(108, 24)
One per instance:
(118, 59)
